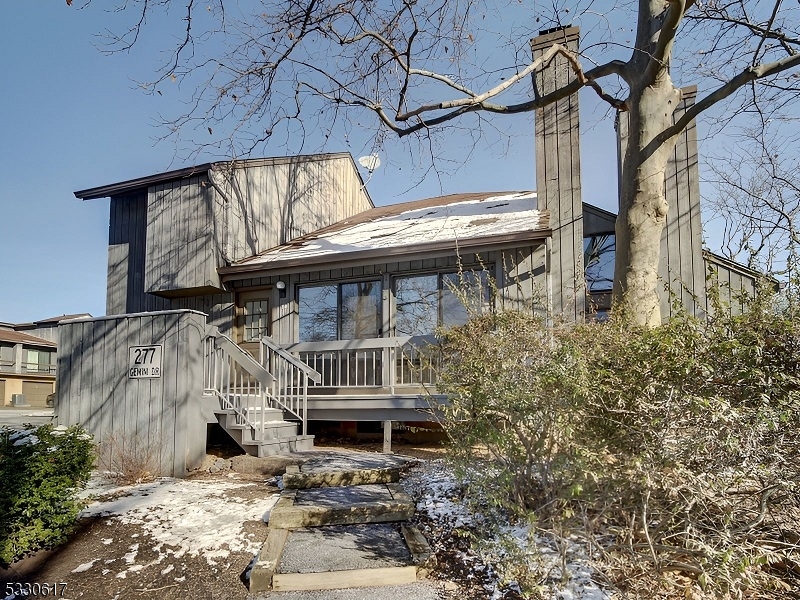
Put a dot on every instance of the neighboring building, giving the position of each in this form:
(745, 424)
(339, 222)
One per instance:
(251, 291)
(28, 360)
(27, 367)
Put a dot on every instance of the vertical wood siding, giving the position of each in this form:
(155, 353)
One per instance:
(183, 238)
(175, 235)
(158, 416)
(682, 240)
(273, 204)
(558, 180)
(126, 251)
(735, 285)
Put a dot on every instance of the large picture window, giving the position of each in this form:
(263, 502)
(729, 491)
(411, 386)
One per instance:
(342, 311)
(425, 302)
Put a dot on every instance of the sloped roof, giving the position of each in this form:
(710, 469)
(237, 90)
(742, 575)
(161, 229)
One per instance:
(58, 319)
(130, 185)
(444, 222)
(17, 337)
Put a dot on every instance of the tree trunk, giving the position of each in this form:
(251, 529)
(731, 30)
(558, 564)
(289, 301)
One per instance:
(643, 204)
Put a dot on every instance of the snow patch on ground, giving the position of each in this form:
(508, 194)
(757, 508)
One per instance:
(184, 517)
(439, 497)
(85, 566)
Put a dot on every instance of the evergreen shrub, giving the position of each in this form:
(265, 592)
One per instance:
(41, 470)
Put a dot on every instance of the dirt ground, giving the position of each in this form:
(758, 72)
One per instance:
(156, 575)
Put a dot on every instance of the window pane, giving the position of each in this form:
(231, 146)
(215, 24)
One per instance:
(417, 304)
(598, 261)
(256, 320)
(6, 353)
(317, 313)
(361, 310)
(31, 360)
(464, 295)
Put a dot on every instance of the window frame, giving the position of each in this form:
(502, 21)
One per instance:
(241, 297)
(440, 274)
(339, 305)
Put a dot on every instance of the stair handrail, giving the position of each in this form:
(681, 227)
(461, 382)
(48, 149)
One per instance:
(290, 388)
(267, 388)
(313, 374)
(221, 378)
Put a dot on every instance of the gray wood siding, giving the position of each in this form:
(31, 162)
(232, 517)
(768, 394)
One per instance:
(158, 416)
(558, 179)
(519, 277)
(273, 204)
(596, 220)
(682, 240)
(126, 251)
(169, 241)
(681, 268)
(183, 248)
(735, 284)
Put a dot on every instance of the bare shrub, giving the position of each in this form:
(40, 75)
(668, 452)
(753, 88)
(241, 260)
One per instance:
(128, 458)
(673, 450)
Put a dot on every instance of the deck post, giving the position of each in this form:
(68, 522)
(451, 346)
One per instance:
(387, 437)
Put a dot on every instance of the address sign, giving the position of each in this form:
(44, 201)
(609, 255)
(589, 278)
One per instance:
(144, 362)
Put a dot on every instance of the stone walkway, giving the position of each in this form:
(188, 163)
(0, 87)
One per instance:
(341, 530)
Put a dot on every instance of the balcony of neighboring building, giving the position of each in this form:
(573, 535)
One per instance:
(27, 368)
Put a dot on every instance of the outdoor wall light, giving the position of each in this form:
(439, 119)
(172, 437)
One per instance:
(281, 289)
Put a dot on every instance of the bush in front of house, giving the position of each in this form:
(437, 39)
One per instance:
(674, 451)
(41, 471)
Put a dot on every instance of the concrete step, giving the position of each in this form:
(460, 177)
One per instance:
(339, 469)
(273, 430)
(380, 503)
(279, 436)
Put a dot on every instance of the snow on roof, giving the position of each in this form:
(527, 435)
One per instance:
(461, 219)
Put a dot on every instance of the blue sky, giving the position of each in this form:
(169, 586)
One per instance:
(74, 119)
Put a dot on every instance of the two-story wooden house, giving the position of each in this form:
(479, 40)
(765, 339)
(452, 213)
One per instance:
(268, 292)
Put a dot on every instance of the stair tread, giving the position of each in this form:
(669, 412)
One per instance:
(273, 441)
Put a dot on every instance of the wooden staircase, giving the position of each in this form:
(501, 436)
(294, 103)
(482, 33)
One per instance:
(278, 436)
(257, 395)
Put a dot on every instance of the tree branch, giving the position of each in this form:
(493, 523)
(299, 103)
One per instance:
(749, 75)
(666, 36)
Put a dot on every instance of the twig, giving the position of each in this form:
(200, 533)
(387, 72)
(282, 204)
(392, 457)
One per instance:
(163, 587)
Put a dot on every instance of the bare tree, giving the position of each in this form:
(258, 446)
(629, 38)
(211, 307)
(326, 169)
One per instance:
(418, 66)
(758, 201)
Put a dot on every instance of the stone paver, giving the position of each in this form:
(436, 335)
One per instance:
(344, 547)
(338, 496)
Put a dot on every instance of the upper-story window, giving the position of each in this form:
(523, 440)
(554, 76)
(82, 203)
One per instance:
(599, 254)
(6, 356)
(341, 311)
(425, 302)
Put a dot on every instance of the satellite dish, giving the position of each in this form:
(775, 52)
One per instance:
(370, 162)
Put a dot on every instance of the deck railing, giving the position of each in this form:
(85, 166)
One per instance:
(10, 366)
(372, 363)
